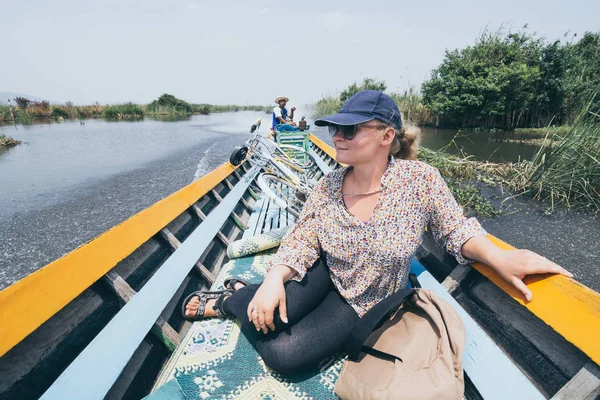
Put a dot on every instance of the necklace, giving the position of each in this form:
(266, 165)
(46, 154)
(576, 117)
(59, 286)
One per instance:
(362, 194)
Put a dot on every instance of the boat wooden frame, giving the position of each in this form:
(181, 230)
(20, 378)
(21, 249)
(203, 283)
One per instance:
(59, 326)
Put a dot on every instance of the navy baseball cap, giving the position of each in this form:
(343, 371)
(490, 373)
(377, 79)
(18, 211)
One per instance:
(365, 106)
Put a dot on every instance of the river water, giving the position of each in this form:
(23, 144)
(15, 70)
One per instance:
(70, 182)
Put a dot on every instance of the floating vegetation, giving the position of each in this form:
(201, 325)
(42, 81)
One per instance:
(563, 172)
(6, 142)
(460, 173)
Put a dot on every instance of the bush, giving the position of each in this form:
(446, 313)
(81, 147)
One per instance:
(59, 113)
(169, 104)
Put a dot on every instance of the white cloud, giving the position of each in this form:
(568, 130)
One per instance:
(263, 11)
(192, 6)
(334, 20)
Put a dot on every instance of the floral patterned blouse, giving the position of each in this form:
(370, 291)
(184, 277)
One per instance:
(369, 261)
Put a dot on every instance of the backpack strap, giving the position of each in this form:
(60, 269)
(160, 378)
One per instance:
(374, 317)
(414, 281)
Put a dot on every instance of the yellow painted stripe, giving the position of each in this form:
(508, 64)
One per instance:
(570, 308)
(30, 302)
(322, 145)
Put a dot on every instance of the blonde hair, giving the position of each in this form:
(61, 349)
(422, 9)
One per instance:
(406, 143)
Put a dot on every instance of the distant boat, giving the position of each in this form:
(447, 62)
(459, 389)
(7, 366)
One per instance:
(104, 320)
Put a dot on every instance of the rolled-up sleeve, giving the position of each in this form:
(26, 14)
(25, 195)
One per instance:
(450, 228)
(300, 247)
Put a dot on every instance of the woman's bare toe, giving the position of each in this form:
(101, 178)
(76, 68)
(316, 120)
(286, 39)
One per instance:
(192, 306)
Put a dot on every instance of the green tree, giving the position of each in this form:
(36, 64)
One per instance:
(486, 85)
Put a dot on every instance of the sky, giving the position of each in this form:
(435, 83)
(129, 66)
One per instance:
(249, 52)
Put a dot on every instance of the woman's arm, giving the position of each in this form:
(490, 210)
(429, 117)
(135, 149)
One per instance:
(511, 265)
(269, 296)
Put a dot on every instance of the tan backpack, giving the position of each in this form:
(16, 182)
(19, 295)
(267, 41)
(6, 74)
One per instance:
(414, 353)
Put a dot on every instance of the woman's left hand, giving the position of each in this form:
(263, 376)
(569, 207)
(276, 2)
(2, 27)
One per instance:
(514, 265)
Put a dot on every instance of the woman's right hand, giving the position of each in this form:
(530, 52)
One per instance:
(269, 296)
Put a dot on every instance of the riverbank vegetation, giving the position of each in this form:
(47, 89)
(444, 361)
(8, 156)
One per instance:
(27, 111)
(562, 173)
(505, 81)
(567, 173)
(7, 141)
(123, 111)
(409, 103)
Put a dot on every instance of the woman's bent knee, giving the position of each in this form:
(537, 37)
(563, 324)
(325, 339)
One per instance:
(284, 364)
(285, 361)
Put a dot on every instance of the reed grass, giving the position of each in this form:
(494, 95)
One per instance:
(327, 105)
(567, 173)
(123, 111)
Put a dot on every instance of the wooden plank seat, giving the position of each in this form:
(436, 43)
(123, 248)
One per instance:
(95, 370)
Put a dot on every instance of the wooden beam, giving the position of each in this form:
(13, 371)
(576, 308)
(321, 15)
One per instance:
(237, 175)
(456, 276)
(175, 244)
(161, 328)
(238, 221)
(253, 194)
(585, 385)
(216, 195)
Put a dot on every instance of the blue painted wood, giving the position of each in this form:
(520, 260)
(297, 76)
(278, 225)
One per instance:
(253, 220)
(93, 373)
(495, 376)
(320, 163)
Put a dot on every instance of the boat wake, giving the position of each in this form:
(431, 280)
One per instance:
(203, 166)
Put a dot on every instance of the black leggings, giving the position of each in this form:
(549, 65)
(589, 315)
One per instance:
(319, 319)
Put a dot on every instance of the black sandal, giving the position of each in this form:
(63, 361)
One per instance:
(230, 283)
(205, 296)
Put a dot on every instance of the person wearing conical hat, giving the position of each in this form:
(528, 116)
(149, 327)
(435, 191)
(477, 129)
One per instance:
(280, 113)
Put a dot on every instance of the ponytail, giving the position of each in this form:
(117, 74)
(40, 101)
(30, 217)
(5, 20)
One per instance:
(406, 142)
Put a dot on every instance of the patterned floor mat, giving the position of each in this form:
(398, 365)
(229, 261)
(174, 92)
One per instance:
(215, 360)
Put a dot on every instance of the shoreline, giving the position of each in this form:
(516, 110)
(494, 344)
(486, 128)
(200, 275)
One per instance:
(47, 113)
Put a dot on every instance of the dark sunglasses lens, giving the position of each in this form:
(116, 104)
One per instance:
(333, 130)
(349, 131)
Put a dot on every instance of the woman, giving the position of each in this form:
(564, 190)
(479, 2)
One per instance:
(352, 245)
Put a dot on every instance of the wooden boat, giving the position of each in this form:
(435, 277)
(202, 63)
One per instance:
(104, 320)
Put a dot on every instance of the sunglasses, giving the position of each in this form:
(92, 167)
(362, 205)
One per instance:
(349, 131)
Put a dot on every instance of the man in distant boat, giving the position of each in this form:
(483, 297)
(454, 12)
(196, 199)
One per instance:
(280, 113)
